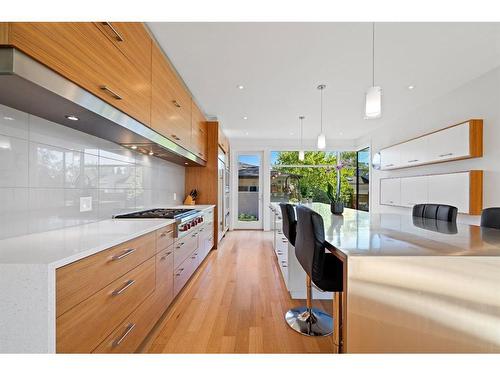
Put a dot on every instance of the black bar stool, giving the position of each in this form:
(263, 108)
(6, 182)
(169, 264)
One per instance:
(490, 217)
(289, 222)
(442, 212)
(322, 268)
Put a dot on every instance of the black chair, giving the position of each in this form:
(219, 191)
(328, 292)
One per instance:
(435, 211)
(289, 222)
(490, 217)
(322, 268)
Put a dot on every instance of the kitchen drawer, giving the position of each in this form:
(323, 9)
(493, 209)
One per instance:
(130, 334)
(85, 326)
(82, 53)
(164, 237)
(184, 247)
(79, 280)
(185, 271)
(165, 277)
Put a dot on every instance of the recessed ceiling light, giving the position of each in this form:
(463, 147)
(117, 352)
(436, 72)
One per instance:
(72, 117)
(8, 118)
(186, 163)
(151, 153)
(241, 87)
(411, 87)
(133, 147)
(292, 133)
(245, 118)
(246, 133)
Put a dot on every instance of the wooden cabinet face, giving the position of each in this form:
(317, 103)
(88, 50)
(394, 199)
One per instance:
(82, 53)
(199, 132)
(171, 104)
(390, 191)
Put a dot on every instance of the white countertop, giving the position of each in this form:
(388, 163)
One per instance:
(59, 247)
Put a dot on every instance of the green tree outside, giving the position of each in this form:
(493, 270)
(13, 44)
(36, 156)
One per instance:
(314, 179)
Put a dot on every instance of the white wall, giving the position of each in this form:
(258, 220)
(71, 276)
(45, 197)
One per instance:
(480, 98)
(45, 168)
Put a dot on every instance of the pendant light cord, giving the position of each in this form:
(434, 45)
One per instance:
(321, 111)
(373, 54)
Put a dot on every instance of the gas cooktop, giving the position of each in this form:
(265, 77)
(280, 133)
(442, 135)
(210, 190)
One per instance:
(159, 213)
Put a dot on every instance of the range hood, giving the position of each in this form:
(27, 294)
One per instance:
(29, 86)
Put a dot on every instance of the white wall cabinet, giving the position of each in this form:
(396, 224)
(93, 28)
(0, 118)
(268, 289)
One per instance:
(462, 190)
(414, 190)
(460, 141)
(390, 191)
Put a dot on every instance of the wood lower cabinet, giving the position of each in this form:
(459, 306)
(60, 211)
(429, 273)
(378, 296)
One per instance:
(86, 54)
(78, 281)
(171, 103)
(85, 326)
(110, 301)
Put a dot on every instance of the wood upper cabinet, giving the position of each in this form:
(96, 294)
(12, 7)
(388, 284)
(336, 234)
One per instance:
(198, 132)
(171, 103)
(118, 72)
(223, 141)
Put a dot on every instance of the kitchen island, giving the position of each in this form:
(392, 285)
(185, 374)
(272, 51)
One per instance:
(415, 285)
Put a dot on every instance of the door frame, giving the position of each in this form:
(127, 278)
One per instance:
(237, 224)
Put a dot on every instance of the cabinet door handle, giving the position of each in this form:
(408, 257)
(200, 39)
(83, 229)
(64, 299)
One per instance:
(126, 253)
(448, 154)
(176, 103)
(175, 137)
(113, 93)
(120, 339)
(127, 285)
(165, 233)
(166, 255)
(118, 36)
(180, 271)
(412, 161)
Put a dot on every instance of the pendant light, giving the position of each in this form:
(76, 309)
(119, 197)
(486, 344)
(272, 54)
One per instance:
(321, 136)
(301, 152)
(373, 104)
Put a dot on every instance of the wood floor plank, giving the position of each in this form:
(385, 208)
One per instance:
(235, 303)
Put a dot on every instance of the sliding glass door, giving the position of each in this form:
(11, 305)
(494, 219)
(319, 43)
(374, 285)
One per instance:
(249, 204)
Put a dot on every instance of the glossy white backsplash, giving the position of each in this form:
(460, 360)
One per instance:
(45, 168)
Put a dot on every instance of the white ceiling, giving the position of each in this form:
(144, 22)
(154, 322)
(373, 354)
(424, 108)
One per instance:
(280, 65)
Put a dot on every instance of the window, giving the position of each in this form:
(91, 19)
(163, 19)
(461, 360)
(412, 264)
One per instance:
(294, 180)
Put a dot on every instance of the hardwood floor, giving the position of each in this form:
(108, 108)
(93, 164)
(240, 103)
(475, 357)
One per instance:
(235, 303)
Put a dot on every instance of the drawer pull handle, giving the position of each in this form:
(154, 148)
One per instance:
(126, 253)
(194, 256)
(120, 339)
(165, 233)
(389, 165)
(180, 245)
(118, 36)
(412, 161)
(180, 271)
(113, 93)
(448, 154)
(127, 285)
(166, 255)
(176, 103)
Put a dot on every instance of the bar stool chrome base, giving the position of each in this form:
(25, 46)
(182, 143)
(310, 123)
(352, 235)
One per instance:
(309, 322)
